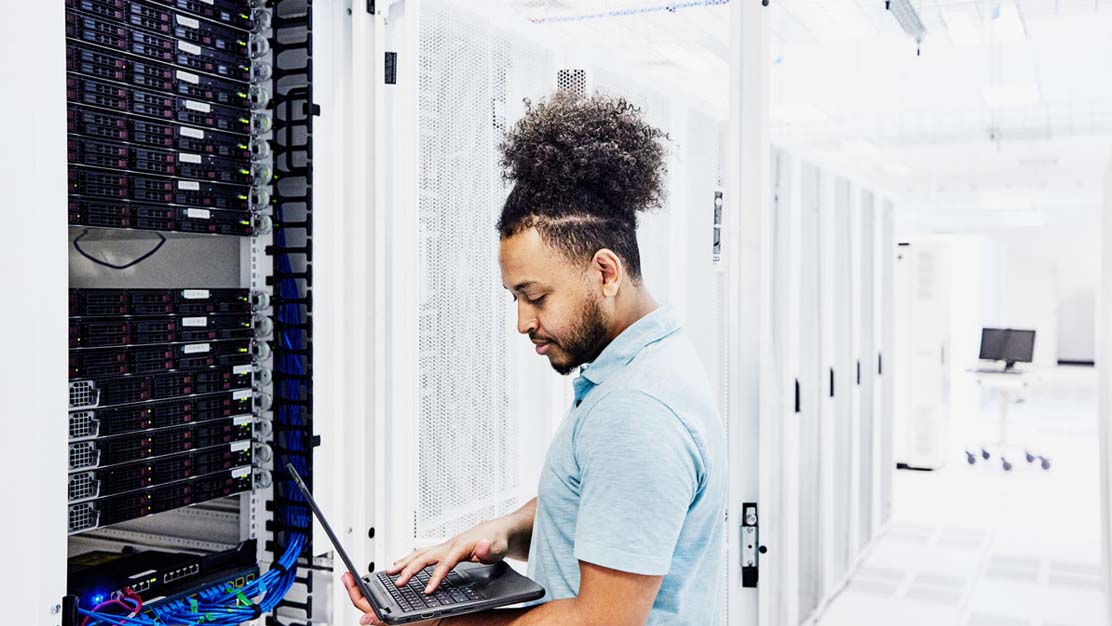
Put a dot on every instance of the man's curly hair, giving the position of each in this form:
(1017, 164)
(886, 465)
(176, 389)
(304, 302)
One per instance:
(583, 168)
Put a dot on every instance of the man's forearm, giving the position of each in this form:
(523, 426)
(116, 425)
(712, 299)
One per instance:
(555, 613)
(521, 530)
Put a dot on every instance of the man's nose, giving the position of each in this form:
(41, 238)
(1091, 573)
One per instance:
(526, 321)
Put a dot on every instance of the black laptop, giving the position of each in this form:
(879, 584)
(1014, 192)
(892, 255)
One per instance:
(468, 588)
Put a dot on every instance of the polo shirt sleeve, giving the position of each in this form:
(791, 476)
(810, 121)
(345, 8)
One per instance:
(639, 474)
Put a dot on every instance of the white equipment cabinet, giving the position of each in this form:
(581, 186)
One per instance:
(922, 345)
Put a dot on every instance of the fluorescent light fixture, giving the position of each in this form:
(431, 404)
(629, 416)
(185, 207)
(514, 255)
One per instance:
(962, 29)
(908, 19)
(898, 170)
(1007, 24)
(1012, 95)
(797, 113)
(860, 147)
(692, 57)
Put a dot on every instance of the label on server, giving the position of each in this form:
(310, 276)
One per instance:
(194, 321)
(203, 107)
(185, 46)
(188, 77)
(195, 348)
(188, 22)
(240, 446)
(242, 394)
(208, 1)
(242, 369)
(201, 214)
(195, 133)
(240, 472)
(195, 294)
(240, 420)
(186, 157)
(189, 185)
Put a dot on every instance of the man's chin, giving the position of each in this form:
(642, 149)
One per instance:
(562, 366)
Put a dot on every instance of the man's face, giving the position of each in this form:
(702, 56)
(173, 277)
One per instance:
(558, 305)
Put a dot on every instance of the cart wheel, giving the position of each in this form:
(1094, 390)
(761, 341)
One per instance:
(1007, 466)
(970, 458)
(1045, 462)
(1030, 457)
(985, 455)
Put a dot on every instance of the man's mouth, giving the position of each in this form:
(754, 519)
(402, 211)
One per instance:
(542, 346)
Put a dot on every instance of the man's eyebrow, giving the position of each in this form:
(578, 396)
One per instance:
(521, 286)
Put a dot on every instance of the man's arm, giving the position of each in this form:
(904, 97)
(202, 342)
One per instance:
(607, 597)
(489, 542)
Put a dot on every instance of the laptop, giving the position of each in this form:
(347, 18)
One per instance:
(470, 587)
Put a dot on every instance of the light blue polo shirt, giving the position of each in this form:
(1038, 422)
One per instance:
(635, 478)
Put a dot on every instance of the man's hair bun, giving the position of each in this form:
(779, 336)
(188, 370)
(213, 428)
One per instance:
(572, 154)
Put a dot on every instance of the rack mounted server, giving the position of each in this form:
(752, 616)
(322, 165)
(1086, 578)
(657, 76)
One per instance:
(158, 420)
(166, 109)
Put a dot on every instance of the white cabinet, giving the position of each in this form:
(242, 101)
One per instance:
(922, 345)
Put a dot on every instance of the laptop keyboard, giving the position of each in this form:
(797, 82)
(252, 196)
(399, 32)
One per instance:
(413, 597)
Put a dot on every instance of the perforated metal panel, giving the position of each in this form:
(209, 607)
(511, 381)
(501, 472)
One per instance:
(574, 81)
(472, 82)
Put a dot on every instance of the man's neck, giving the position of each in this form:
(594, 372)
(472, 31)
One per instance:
(640, 304)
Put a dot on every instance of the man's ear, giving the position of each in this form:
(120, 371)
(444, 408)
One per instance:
(610, 270)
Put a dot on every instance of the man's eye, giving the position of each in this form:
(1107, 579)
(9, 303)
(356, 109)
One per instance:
(537, 300)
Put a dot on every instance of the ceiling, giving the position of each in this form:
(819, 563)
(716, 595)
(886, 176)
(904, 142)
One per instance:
(1004, 108)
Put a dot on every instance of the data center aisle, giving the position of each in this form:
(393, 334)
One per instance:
(977, 546)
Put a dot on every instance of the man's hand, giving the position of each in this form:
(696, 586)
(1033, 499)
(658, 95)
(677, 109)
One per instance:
(361, 603)
(488, 542)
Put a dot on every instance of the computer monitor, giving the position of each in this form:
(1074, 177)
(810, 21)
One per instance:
(992, 343)
(1009, 345)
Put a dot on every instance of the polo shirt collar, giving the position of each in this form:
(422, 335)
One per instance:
(649, 329)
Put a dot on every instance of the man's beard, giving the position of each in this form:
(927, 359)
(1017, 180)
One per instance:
(584, 342)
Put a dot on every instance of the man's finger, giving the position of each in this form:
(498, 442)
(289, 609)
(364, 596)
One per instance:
(482, 551)
(415, 566)
(400, 564)
(446, 564)
(355, 594)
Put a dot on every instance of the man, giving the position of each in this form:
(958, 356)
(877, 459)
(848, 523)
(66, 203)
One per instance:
(627, 526)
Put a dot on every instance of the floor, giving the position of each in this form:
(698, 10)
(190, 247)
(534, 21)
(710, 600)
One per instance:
(973, 545)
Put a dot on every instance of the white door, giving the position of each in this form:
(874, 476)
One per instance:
(922, 416)
(843, 378)
(865, 371)
(809, 393)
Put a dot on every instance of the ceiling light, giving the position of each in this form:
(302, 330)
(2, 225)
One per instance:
(860, 147)
(896, 169)
(693, 57)
(962, 29)
(1013, 95)
(797, 113)
(908, 19)
(1007, 24)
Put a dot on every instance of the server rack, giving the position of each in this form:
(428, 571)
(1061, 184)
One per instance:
(191, 120)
